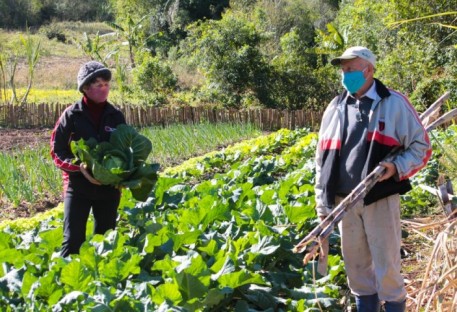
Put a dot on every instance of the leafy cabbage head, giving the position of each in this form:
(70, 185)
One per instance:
(121, 161)
(127, 139)
(115, 164)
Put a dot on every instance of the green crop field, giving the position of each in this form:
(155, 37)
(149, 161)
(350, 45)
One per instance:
(216, 234)
(30, 181)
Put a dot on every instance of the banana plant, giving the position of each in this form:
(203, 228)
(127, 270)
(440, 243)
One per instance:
(132, 32)
(32, 50)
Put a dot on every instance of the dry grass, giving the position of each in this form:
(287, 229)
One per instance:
(433, 285)
(52, 72)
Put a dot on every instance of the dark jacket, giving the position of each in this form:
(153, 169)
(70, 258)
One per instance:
(393, 122)
(75, 123)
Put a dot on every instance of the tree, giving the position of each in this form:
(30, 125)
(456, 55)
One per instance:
(409, 54)
(170, 17)
(132, 31)
(154, 79)
(227, 52)
(296, 80)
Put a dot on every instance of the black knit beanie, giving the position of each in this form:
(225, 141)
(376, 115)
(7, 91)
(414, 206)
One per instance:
(91, 70)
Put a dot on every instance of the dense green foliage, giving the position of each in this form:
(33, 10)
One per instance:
(244, 53)
(18, 13)
(215, 235)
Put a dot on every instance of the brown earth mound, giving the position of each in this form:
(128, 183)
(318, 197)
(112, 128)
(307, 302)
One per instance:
(13, 139)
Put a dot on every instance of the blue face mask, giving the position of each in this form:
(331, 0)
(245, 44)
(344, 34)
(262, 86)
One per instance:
(353, 80)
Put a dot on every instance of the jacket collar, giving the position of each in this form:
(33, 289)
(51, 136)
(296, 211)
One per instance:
(79, 107)
(381, 89)
(382, 92)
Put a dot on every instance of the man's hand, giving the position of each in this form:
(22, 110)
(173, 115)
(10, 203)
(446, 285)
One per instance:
(322, 262)
(87, 175)
(391, 170)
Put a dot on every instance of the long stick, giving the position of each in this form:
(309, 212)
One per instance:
(435, 106)
(326, 226)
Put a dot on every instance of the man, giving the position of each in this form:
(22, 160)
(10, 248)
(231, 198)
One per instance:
(358, 129)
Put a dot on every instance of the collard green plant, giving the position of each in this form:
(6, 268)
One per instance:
(121, 161)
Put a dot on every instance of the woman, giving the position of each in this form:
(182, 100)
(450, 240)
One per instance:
(92, 116)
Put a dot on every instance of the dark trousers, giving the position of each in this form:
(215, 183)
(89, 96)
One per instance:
(76, 212)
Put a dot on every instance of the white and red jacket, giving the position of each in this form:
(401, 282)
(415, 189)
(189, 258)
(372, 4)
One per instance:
(393, 122)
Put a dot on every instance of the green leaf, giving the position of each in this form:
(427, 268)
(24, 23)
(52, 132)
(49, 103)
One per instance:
(268, 197)
(223, 265)
(117, 269)
(163, 185)
(192, 286)
(167, 292)
(131, 266)
(240, 278)
(27, 282)
(11, 256)
(75, 275)
(186, 238)
(215, 296)
(266, 246)
(166, 265)
(5, 241)
(89, 257)
(159, 239)
(126, 138)
(262, 298)
(51, 239)
(47, 286)
(211, 248)
(298, 212)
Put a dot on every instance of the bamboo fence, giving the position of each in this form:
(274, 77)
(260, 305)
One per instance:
(45, 115)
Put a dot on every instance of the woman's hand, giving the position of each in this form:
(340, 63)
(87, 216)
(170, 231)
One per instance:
(87, 175)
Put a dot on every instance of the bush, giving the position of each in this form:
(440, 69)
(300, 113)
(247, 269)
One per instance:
(153, 80)
(297, 79)
(54, 31)
(228, 53)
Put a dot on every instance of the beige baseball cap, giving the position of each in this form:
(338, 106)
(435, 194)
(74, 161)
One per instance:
(354, 52)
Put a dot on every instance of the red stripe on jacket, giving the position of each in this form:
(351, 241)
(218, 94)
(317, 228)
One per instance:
(330, 144)
(382, 139)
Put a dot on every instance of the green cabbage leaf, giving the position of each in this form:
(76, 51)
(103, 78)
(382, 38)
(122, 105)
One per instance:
(121, 162)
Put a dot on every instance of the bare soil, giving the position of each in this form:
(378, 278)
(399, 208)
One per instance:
(13, 139)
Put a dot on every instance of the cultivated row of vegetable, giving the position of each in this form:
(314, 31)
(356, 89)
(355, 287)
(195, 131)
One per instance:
(215, 234)
(30, 180)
